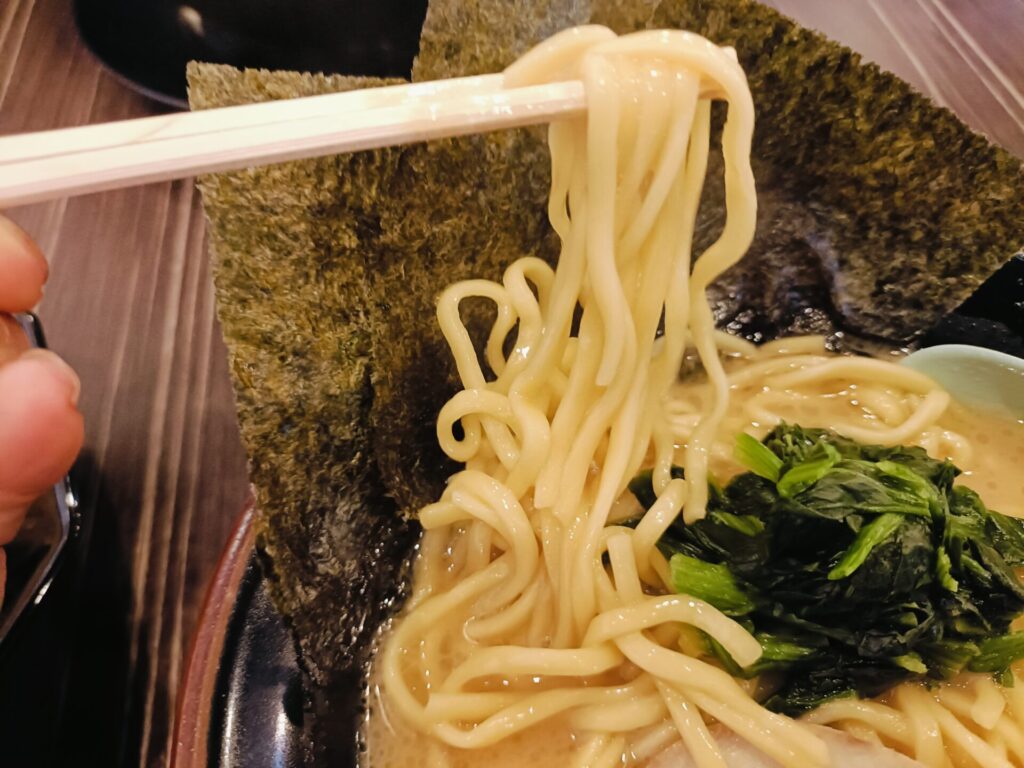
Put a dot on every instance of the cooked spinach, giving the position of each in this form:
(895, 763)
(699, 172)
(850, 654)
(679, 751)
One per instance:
(855, 566)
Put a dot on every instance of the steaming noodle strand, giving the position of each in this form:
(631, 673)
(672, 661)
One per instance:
(515, 619)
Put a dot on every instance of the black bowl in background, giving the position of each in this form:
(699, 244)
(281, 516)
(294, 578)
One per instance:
(149, 42)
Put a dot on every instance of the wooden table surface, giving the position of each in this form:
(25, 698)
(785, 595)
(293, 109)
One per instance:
(130, 305)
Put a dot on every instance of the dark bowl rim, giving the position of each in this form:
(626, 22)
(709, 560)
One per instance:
(193, 718)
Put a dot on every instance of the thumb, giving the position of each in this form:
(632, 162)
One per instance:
(41, 431)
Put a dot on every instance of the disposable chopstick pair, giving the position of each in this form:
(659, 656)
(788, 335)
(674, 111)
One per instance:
(74, 161)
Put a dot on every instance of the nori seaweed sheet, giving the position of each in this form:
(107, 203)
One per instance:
(326, 273)
(879, 212)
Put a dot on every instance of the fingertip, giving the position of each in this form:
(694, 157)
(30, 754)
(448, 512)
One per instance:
(24, 268)
(41, 429)
(57, 369)
(41, 432)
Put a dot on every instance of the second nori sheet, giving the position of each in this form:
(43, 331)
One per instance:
(879, 212)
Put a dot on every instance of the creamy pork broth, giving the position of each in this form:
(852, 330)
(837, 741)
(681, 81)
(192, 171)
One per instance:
(987, 446)
(553, 743)
(989, 449)
(394, 745)
(993, 468)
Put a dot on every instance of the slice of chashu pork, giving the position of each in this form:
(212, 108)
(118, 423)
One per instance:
(844, 750)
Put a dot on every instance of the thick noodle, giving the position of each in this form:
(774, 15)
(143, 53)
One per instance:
(529, 604)
(510, 582)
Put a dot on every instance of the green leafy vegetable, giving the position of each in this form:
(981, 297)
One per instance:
(755, 456)
(777, 653)
(944, 570)
(998, 653)
(710, 582)
(806, 473)
(911, 662)
(855, 566)
(868, 537)
(946, 658)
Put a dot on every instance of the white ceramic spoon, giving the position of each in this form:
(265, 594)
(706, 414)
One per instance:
(977, 377)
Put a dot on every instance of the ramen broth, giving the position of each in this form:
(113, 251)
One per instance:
(988, 447)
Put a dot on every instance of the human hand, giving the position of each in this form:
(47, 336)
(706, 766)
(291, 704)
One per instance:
(41, 430)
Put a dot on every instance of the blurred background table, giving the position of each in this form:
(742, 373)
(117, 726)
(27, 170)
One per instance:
(130, 305)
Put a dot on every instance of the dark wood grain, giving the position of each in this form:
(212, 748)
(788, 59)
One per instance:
(130, 305)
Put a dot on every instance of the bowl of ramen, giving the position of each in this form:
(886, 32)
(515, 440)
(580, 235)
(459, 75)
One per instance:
(580, 447)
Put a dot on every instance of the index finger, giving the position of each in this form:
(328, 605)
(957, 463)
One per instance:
(23, 269)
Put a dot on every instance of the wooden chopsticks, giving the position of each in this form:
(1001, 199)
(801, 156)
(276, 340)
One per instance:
(74, 161)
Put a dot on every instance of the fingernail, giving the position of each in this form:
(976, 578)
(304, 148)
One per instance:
(20, 244)
(59, 367)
